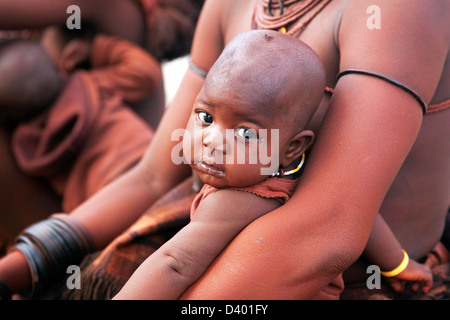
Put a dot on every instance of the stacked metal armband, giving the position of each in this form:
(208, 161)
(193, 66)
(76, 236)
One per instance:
(50, 246)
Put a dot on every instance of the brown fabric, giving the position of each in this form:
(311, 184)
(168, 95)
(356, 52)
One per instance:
(271, 188)
(120, 68)
(89, 135)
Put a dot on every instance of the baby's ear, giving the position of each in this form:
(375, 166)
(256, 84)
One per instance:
(296, 147)
(74, 53)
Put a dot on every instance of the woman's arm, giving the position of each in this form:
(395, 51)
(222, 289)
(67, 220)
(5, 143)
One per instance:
(367, 133)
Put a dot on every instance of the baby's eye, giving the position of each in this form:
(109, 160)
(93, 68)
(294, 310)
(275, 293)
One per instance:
(246, 133)
(204, 117)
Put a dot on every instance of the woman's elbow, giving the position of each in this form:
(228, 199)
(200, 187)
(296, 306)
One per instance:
(339, 257)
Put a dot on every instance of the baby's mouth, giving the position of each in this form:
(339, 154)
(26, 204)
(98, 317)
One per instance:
(210, 169)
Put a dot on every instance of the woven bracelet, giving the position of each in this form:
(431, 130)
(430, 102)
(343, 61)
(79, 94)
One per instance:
(37, 265)
(49, 247)
(5, 291)
(84, 240)
(42, 236)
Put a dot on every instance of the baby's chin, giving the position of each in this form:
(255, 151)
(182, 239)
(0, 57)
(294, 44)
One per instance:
(227, 181)
(214, 181)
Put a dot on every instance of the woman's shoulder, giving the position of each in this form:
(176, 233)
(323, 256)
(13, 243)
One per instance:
(407, 41)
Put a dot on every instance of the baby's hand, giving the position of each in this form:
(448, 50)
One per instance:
(415, 273)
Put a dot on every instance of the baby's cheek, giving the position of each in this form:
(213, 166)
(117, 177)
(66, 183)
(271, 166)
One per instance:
(242, 175)
(189, 143)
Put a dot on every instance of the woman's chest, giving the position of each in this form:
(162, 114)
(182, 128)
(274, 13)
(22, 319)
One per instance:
(320, 33)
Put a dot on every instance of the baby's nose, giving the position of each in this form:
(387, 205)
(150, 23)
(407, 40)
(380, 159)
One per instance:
(214, 139)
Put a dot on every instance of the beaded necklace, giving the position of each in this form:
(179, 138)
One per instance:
(287, 16)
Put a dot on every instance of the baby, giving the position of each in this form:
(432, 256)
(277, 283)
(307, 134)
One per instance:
(265, 87)
(30, 81)
(72, 98)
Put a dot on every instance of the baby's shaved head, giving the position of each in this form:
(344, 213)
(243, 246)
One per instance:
(29, 79)
(276, 72)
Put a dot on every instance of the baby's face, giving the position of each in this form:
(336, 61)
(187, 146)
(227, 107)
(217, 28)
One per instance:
(230, 142)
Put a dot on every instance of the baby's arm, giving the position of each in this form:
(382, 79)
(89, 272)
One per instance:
(384, 250)
(168, 272)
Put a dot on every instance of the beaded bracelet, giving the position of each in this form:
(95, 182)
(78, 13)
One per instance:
(5, 291)
(401, 267)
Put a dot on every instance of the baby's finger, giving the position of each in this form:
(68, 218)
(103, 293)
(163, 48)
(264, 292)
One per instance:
(415, 286)
(427, 286)
(398, 286)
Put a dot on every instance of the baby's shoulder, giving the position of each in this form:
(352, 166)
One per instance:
(228, 204)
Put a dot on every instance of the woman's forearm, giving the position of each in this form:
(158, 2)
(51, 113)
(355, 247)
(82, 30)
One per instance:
(115, 207)
(15, 272)
(121, 203)
(111, 210)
